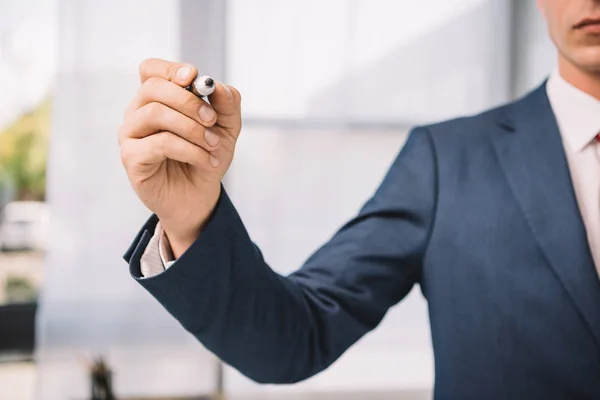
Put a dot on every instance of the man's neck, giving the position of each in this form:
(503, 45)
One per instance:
(588, 82)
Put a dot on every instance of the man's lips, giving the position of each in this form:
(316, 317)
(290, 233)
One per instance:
(588, 23)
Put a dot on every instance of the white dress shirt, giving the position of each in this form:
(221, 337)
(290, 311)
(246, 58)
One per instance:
(578, 117)
(158, 255)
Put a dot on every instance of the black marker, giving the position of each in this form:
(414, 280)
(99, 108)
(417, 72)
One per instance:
(202, 86)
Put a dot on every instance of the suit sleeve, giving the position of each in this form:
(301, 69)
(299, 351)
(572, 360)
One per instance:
(283, 329)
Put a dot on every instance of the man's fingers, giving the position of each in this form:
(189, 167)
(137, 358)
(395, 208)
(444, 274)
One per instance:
(156, 117)
(179, 73)
(226, 101)
(161, 91)
(163, 82)
(156, 148)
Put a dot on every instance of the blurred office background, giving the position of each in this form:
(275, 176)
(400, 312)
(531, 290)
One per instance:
(330, 90)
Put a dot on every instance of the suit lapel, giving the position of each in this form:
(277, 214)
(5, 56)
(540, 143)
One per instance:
(531, 153)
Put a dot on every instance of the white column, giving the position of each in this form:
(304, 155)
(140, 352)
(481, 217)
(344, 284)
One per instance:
(90, 305)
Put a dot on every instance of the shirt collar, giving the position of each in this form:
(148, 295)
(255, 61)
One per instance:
(577, 113)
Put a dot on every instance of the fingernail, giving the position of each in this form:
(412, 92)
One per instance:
(183, 73)
(207, 114)
(211, 138)
(214, 161)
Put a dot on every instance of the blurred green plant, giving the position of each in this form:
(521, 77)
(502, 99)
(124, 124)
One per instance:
(19, 290)
(24, 150)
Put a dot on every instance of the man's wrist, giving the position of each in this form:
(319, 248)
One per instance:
(182, 229)
(179, 245)
(180, 236)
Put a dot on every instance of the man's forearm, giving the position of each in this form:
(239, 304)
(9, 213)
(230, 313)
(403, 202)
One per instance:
(223, 292)
(284, 329)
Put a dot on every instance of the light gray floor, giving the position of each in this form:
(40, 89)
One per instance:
(404, 395)
(17, 383)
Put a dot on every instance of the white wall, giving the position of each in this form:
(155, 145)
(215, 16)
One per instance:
(400, 61)
(534, 54)
(27, 55)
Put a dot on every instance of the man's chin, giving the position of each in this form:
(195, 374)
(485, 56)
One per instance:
(588, 59)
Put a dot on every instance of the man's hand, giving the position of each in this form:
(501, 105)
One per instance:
(176, 147)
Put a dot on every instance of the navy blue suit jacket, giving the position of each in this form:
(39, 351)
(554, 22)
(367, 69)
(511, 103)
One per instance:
(479, 211)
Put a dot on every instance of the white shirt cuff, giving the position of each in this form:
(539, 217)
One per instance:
(158, 255)
(164, 248)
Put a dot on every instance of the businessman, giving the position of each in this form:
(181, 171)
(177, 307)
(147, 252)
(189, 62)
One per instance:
(495, 216)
